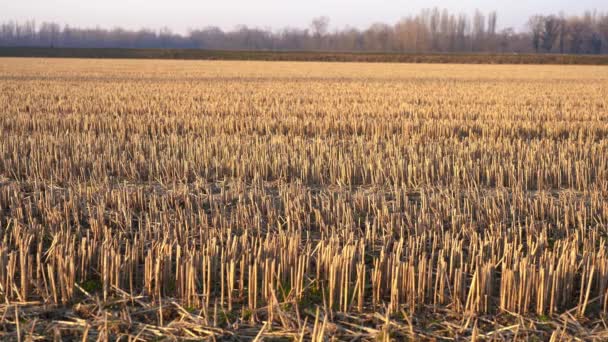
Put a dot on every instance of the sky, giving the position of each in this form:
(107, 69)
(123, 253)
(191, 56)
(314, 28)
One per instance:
(182, 15)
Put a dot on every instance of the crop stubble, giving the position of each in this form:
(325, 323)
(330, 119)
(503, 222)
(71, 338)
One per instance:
(302, 200)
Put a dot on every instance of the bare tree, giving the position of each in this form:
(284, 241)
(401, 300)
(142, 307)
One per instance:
(431, 30)
(461, 29)
(491, 33)
(562, 32)
(479, 28)
(379, 37)
(505, 38)
(446, 32)
(492, 20)
(578, 33)
(434, 28)
(535, 24)
(551, 29)
(319, 27)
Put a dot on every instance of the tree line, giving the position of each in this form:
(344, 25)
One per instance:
(431, 30)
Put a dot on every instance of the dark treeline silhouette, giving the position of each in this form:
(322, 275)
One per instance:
(432, 30)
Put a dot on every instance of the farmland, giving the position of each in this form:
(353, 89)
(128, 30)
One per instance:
(307, 201)
(305, 56)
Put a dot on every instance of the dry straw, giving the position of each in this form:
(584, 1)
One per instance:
(256, 200)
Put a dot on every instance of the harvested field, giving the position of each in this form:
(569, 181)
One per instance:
(152, 200)
(309, 56)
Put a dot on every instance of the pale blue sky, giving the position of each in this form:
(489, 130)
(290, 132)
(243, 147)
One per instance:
(180, 15)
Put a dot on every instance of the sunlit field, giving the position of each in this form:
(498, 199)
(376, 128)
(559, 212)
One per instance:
(142, 200)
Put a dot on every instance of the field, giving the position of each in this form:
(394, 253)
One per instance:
(152, 200)
(310, 56)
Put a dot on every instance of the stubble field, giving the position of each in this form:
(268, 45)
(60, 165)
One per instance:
(144, 200)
